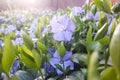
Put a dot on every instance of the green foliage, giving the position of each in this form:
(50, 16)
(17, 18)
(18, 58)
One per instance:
(101, 32)
(92, 67)
(41, 47)
(8, 55)
(60, 68)
(104, 5)
(113, 28)
(78, 57)
(109, 74)
(115, 50)
(61, 50)
(89, 35)
(27, 57)
(22, 75)
(37, 58)
(27, 41)
(31, 58)
(94, 46)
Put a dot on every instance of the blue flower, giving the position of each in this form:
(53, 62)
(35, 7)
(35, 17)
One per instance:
(17, 41)
(15, 66)
(89, 16)
(63, 62)
(62, 28)
(1, 43)
(96, 17)
(9, 29)
(48, 67)
(77, 10)
(18, 33)
(51, 50)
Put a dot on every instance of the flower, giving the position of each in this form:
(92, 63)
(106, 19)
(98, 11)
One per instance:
(9, 29)
(96, 17)
(89, 16)
(62, 28)
(18, 33)
(1, 43)
(48, 67)
(17, 41)
(51, 50)
(63, 62)
(77, 10)
(15, 66)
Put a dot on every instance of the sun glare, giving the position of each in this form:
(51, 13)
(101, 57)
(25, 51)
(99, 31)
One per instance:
(30, 1)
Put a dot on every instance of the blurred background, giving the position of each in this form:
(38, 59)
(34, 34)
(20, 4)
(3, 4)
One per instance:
(41, 4)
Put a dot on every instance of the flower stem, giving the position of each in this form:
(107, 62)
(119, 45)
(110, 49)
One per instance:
(41, 74)
(63, 67)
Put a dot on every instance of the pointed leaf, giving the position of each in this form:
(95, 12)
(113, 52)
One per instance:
(59, 67)
(113, 27)
(38, 58)
(27, 57)
(101, 32)
(115, 49)
(107, 5)
(89, 35)
(8, 55)
(41, 47)
(92, 68)
(27, 41)
(61, 50)
(109, 74)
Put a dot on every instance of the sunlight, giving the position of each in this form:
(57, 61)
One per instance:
(30, 1)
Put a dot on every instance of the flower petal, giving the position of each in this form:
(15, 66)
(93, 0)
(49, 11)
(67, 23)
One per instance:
(59, 72)
(56, 55)
(54, 61)
(70, 26)
(69, 63)
(68, 35)
(63, 20)
(59, 36)
(67, 55)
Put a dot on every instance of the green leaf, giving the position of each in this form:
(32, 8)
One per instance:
(61, 50)
(107, 5)
(115, 50)
(113, 27)
(27, 57)
(21, 75)
(77, 57)
(98, 2)
(101, 32)
(59, 67)
(27, 41)
(104, 5)
(38, 58)
(102, 20)
(89, 35)
(104, 40)
(94, 46)
(8, 55)
(76, 75)
(92, 68)
(41, 47)
(109, 74)
(67, 69)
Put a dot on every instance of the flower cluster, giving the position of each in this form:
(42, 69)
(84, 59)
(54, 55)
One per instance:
(63, 62)
(62, 28)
